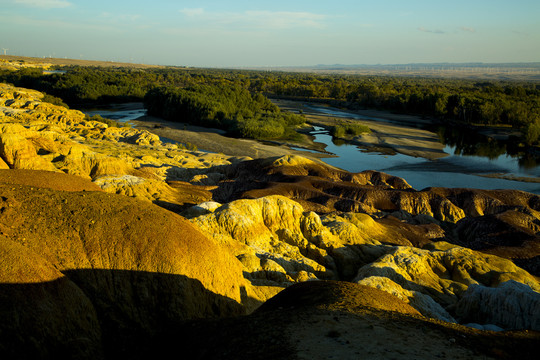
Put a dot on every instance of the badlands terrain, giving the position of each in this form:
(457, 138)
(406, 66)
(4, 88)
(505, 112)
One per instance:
(116, 244)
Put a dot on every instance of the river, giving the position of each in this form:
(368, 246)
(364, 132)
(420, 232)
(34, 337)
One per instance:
(119, 112)
(458, 169)
(452, 171)
(455, 170)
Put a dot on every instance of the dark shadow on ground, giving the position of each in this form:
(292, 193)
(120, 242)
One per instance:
(93, 314)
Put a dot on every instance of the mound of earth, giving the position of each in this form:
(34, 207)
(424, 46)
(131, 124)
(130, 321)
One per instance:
(325, 320)
(337, 296)
(86, 274)
(47, 179)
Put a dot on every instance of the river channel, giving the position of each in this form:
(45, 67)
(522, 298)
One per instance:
(458, 169)
(455, 170)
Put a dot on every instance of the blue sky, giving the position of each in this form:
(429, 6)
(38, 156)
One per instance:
(273, 33)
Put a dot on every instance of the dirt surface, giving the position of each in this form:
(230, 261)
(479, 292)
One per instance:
(394, 132)
(214, 140)
(47, 179)
(58, 61)
(342, 324)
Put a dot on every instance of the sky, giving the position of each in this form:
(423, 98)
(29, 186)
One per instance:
(225, 33)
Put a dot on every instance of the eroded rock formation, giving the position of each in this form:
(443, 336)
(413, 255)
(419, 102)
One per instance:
(41, 136)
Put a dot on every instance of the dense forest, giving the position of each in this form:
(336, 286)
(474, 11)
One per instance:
(221, 98)
(231, 108)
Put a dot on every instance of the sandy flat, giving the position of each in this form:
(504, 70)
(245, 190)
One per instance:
(214, 140)
(384, 137)
(397, 132)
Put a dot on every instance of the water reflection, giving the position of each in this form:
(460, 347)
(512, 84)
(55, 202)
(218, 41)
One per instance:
(462, 141)
(470, 154)
(470, 143)
(456, 170)
(118, 112)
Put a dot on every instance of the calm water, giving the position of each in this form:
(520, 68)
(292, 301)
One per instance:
(119, 112)
(451, 171)
(455, 170)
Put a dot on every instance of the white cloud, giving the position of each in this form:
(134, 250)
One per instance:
(47, 4)
(269, 20)
(423, 29)
(283, 19)
(192, 12)
(468, 29)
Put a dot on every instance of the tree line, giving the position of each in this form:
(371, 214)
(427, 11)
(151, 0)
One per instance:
(509, 103)
(232, 108)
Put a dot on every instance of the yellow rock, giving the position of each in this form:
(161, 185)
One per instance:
(138, 187)
(38, 135)
(292, 160)
(93, 165)
(444, 274)
(17, 151)
(274, 229)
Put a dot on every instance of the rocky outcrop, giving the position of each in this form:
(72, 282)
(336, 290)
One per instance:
(271, 236)
(445, 274)
(132, 136)
(132, 273)
(325, 189)
(498, 222)
(276, 240)
(17, 151)
(511, 305)
(510, 233)
(279, 243)
(40, 136)
(53, 138)
(419, 301)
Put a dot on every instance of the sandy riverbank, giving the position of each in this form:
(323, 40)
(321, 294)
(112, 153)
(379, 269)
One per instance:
(399, 135)
(385, 137)
(396, 134)
(214, 140)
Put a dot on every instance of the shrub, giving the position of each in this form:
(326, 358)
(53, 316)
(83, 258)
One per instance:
(227, 107)
(109, 122)
(342, 130)
(54, 100)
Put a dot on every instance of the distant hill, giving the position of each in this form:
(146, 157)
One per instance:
(494, 71)
(473, 70)
(77, 62)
